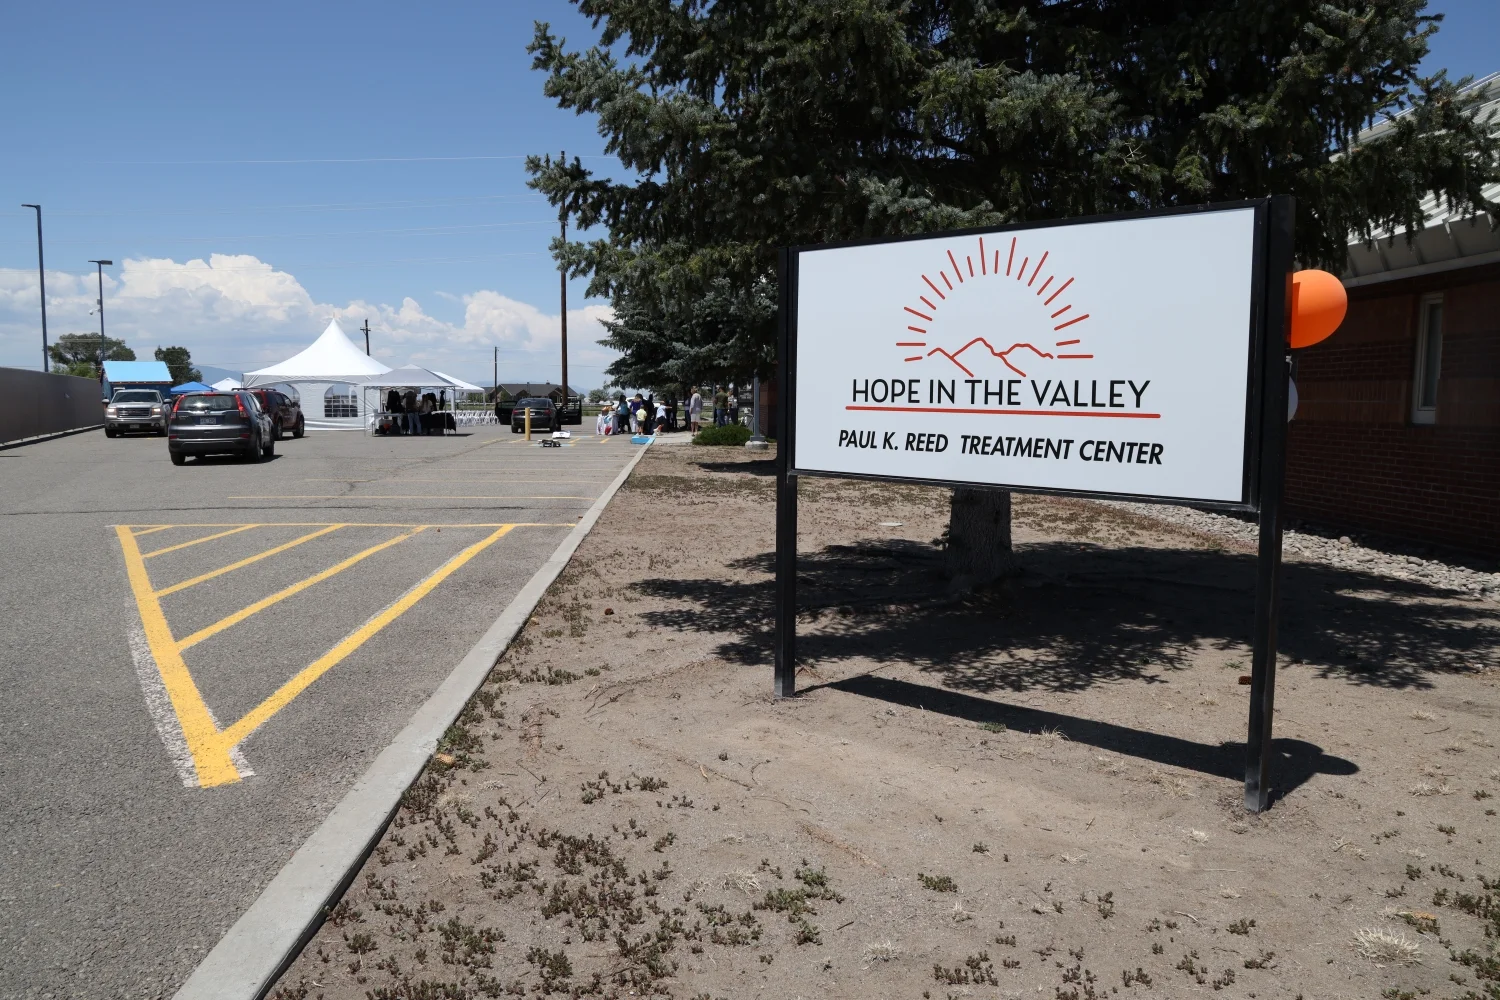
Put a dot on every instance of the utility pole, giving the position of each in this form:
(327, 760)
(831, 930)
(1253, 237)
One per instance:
(101, 264)
(41, 277)
(366, 328)
(562, 217)
(495, 382)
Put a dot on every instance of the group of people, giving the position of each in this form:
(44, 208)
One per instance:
(408, 410)
(648, 415)
(641, 415)
(726, 408)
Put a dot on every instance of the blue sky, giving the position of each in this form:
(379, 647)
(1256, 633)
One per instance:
(318, 160)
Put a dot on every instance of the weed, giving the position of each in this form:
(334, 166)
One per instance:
(976, 971)
(1241, 926)
(981, 848)
(1262, 961)
(360, 943)
(1106, 904)
(993, 727)
(883, 951)
(938, 883)
(1136, 978)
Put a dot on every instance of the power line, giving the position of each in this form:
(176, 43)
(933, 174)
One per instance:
(320, 160)
(336, 206)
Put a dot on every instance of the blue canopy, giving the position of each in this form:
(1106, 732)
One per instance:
(137, 371)
(178, 390)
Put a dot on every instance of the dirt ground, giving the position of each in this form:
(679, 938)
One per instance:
(1032, 792)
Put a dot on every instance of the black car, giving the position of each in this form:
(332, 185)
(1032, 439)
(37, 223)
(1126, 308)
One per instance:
(284, 411)
(543, 415)
(209, 423)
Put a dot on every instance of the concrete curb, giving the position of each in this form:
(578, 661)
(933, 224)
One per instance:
(253, 954)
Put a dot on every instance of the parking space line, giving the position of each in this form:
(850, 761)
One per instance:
(296, 588)
(184, 585)
(196, 541)
(198, 729)
(363, 524)
(154, 530)
(257, 716)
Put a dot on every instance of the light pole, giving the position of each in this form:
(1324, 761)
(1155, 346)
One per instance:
(101, 264)
(41, 277)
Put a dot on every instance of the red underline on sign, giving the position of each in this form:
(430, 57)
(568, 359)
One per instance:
(1013, 413)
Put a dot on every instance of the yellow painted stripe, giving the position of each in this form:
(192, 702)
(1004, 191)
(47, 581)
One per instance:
(198, 541)
(184, 585)
(295, 588)
(152, 531)
(210, 755)
(257, 716)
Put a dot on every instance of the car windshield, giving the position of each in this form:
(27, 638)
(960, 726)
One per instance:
(535, 404)
(207, 402)
(136, 396)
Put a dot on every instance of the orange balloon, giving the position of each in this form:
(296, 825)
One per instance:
(1318, 306)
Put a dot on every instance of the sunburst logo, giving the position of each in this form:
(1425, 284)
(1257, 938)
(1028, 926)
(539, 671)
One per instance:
(1046, 292)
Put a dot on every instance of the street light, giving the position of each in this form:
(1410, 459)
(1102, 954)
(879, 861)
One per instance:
(41, 275)
(101, 264)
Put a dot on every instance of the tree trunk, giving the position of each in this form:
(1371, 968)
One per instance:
(979, 550)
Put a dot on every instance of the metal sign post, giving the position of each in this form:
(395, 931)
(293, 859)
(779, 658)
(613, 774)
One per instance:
(1181, 379)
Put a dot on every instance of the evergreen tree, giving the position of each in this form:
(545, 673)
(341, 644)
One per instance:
(747, 125)
(180, 363)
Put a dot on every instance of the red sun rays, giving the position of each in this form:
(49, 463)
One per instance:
(1025, 273)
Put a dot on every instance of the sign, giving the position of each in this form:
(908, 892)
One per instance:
(1116, 357)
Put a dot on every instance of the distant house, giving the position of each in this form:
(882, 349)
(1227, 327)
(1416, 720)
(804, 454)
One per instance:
(512, 391)
(1398, 423)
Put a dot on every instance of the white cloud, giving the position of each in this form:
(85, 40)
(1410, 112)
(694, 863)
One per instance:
(237, 311)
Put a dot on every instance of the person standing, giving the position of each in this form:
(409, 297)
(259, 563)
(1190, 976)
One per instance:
(734, 405)
(721, 405)
(695, 411)
(622, 416)
(413, 421)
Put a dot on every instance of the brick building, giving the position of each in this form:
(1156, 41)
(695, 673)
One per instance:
(1398, 422)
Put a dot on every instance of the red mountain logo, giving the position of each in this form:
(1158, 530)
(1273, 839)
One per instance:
(1017, 357)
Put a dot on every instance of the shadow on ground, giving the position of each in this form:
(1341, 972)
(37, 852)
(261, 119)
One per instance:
(1084, 615)
(1293, 761)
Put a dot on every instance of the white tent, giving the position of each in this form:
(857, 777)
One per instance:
(459, 383)
(327, 375)
(225, 384)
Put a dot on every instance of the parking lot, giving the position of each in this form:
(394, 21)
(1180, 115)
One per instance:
(201, 660)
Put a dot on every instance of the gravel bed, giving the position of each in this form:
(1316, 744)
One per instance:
(1341, 552)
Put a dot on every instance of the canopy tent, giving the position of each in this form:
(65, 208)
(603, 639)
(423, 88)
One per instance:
(327, 375)
(459, 383)
(405, 377)
(225, 384)
(178, 390)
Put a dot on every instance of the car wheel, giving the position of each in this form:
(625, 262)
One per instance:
(252, 452)
(109, 431)
(514, 429)
(299, 430)
(178, 458)
(276, 431)
(270, 446)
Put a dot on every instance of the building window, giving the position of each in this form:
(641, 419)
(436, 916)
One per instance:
(1429, 361)
(340, 401)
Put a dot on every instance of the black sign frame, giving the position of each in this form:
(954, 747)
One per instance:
(1264, 454)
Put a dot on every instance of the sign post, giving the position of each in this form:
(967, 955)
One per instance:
(1139, 357)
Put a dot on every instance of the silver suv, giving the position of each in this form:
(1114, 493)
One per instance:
(135, 410)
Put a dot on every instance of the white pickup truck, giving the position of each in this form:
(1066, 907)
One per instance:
(135, 410)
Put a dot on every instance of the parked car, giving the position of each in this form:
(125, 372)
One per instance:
(209, 423)
(543, 415)
(135, 410)
(284, 411)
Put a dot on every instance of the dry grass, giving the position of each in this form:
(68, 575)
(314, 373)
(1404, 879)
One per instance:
(1380, 945)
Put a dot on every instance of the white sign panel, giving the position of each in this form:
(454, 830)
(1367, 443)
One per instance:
(1107, 357)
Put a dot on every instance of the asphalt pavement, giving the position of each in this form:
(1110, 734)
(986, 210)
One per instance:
(200, 661)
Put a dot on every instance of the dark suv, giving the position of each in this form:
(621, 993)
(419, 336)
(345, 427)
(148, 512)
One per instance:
(284, 411)
(543, 415)
(207, 423)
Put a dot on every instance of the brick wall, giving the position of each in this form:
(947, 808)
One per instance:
(1355, 458)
